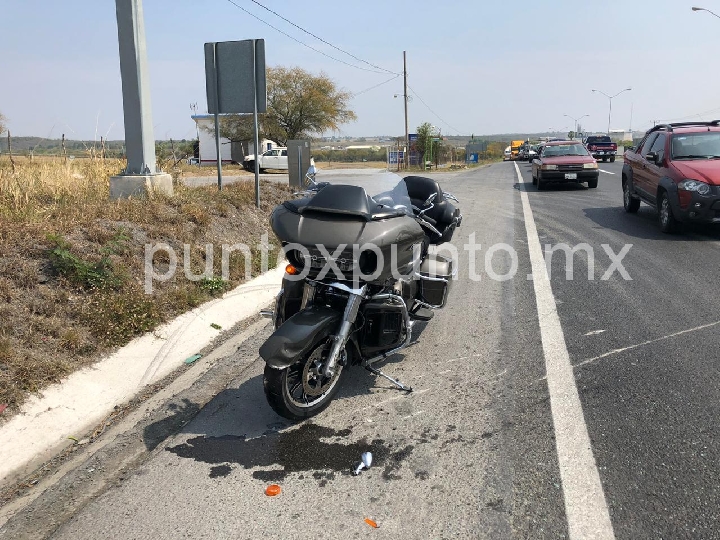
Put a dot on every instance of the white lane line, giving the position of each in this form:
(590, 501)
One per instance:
(606, 172)
(586, 510)
(649, 342)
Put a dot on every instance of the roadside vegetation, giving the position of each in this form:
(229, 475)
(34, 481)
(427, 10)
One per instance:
(72, 262)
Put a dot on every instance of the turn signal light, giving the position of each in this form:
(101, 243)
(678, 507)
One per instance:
(290, 269)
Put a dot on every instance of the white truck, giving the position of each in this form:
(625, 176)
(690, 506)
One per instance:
(277, 158)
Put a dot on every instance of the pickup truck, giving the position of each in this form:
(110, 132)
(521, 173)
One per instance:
(276, 158)
(601, 147)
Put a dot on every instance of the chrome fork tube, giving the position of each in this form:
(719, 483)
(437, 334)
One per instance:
(349, 316)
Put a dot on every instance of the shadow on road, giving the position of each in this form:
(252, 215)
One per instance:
(527, 187)
(644, 225)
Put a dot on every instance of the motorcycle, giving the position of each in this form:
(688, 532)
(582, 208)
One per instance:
(360, 274)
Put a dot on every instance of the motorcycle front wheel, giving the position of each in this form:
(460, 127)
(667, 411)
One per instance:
(301, 390)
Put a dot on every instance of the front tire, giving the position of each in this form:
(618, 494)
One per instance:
(592, 184)
(668, 223)
(539, 182)
(631, 204)
(612, 159)
(300, 391)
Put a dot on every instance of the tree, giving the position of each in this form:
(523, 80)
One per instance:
(425, 145)
(239, 127)
(300, 105)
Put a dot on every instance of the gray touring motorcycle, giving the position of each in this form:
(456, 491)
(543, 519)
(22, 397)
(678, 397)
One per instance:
(360, 273)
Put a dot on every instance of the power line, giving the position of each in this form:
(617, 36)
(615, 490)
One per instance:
(321, 39)
(429, 109)
(303, 43)
(377, 85)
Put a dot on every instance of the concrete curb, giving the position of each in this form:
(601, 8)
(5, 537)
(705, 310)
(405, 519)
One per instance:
(70, 408)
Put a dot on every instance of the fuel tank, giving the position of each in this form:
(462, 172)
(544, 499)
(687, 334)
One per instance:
(345, 216)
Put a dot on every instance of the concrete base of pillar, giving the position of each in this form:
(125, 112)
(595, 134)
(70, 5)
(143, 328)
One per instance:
(123, 187)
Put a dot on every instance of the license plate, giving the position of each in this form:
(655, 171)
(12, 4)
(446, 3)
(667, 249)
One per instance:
(571, 176)
(601, 152)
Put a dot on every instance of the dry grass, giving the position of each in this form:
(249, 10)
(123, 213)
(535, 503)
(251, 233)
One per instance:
(72, 262)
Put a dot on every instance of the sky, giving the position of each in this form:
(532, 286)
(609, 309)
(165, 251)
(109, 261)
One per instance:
(474, 67)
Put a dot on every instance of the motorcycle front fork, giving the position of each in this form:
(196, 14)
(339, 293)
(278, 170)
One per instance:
(349, 316)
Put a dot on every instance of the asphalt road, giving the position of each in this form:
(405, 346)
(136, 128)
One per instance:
(474, 452)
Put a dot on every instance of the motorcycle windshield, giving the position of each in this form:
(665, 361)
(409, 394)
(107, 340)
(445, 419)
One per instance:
(391, 194)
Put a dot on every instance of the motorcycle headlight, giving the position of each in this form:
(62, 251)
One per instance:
(694, 185)
(592, 165)
(549, 167)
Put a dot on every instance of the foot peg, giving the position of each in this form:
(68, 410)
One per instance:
(397, 383)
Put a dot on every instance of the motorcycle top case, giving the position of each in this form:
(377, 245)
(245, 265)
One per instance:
(345, 215)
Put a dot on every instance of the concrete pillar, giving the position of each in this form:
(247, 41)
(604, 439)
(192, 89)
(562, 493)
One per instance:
(141, 174)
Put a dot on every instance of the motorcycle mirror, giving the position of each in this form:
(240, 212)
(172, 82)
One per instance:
(367, 459)
(430, 199)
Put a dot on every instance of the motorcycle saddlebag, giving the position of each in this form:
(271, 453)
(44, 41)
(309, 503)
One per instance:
(436, 275)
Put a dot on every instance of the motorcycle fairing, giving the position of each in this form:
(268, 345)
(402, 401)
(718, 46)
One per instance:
(296, 336)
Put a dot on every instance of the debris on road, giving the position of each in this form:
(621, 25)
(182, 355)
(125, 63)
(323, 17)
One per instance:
(193, 358)
(272, 490)
(3, 406)
(372, 523)
(364, 464)
(216, 326)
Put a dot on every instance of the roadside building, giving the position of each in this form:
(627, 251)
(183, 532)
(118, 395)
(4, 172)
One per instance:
(229, 151)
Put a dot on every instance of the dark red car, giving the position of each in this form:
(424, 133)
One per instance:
(564, 161)
(676, 169)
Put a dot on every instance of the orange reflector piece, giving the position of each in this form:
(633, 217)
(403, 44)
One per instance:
(290, 269)
(371, 523)
(272, 490)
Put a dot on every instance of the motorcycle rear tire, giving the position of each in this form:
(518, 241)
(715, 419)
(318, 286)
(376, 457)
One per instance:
(277, 393)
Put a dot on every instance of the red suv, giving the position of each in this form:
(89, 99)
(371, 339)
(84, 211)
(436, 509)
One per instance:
(676, 169)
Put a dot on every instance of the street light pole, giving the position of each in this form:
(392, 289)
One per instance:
(703, 9)
(611, 98)
(576, 120)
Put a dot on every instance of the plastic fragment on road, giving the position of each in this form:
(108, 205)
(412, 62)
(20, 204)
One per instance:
(372, 523)
(193, 358)
(366, 458)
(272, 490)
(216, 326)
(73, 438)
(3, 406)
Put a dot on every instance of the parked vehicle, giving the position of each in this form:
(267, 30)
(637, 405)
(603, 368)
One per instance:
(276, 158)
(341, 306)
(564, 161)
(515, 148)
(676, 169)
(507, 154)
(601, 147)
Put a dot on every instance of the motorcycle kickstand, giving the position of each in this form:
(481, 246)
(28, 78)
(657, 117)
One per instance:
(397, 383)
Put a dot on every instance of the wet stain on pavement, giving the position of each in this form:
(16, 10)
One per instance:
(310, 449)
(220, 471)
(394, 462)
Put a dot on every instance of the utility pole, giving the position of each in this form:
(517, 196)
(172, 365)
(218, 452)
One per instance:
(405, 96)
